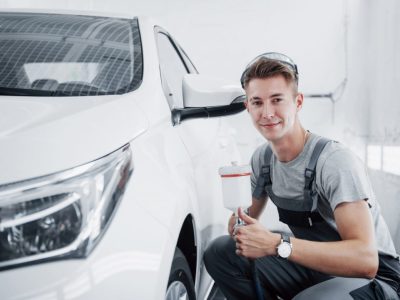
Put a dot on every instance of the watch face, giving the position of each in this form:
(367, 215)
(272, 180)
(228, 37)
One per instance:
(284, 250)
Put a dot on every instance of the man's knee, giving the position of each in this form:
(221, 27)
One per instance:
(216, 252)
(335, 288)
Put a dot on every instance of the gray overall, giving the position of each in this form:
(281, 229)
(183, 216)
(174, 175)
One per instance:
(283, 278)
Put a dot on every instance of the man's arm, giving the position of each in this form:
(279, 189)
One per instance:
(355, 256)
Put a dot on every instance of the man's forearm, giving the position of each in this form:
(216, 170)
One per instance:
(257, 207)
(351, 258)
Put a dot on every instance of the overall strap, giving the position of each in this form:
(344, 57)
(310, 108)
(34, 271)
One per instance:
(309, 173)
(264, 178)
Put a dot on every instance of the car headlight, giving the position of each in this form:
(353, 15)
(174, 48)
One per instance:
(61, 215)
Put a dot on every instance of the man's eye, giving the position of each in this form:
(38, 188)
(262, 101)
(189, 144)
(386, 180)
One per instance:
(277, 100)
(256, 103)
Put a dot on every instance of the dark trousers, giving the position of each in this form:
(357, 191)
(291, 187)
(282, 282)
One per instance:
(278, 277)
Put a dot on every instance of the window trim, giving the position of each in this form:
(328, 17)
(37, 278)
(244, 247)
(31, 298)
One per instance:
(177, 47)
(171, 100)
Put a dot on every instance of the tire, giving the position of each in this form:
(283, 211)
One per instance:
(180, 282)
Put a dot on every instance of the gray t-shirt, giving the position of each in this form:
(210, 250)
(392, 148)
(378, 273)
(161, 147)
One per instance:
(340, 177)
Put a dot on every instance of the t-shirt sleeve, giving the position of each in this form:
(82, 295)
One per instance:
(344, 178)
(256, 163)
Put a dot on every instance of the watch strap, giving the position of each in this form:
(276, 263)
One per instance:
(285, 238)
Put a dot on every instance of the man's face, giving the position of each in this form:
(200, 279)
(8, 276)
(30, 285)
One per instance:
(273, 106)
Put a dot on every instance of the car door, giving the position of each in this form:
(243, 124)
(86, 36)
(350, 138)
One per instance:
(209, 146)
(207, 140)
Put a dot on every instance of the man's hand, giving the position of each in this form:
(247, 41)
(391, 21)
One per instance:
(253, 240)
(256, 209)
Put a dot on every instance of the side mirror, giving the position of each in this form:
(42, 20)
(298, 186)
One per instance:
(204, 97)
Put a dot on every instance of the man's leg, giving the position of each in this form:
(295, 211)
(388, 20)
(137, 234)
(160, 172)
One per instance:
(278, 276)
(286, 279)
(340, 288)
(230, 271)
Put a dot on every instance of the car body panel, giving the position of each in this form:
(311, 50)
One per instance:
(37, 145)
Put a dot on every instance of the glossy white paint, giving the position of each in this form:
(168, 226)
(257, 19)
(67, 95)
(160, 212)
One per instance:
(47, 135)
(199, 91)
(175, 175)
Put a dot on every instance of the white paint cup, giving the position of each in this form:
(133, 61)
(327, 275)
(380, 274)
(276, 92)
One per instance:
(236, 188)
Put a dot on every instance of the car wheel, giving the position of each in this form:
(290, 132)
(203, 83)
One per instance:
(180, 282)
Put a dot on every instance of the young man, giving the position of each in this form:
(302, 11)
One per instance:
(341, 247)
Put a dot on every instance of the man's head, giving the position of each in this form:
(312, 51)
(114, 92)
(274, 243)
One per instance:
(272, 97)
(269, 65)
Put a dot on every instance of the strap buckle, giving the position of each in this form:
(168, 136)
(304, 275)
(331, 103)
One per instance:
(309, 178)
(266, 173)
(266, 169)
(309, 173)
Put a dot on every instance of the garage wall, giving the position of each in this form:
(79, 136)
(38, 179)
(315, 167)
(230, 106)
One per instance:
(383, 146)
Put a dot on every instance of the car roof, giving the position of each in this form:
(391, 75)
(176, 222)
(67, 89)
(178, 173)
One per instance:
(73, 12)
(144, 20)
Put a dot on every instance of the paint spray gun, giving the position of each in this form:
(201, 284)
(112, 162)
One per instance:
(236, 191)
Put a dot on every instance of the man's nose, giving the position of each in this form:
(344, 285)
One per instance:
(268, 111)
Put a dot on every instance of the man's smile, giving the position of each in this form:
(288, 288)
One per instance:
(270, 125)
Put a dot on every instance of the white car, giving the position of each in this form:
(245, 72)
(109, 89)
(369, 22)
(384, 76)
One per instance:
(110, 144)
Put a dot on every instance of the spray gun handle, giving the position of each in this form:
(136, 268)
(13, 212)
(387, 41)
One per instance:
(239, 222)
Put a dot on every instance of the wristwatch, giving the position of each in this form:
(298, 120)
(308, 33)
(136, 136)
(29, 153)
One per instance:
(284, 249)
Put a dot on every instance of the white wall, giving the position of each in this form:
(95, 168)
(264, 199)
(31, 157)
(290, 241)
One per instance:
(383, 79)
(330, 40)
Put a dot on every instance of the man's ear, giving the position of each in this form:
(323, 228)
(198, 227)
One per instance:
(299, 101)
(246, 103)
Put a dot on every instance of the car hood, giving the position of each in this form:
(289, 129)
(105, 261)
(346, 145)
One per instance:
(44, 135)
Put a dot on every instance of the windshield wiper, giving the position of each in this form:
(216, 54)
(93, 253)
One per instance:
(24, 92)
(78, 93)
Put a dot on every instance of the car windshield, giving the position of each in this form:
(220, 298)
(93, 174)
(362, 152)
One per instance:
(68, 55)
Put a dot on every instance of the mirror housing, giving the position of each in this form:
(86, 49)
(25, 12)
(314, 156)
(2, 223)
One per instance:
(202, 91)
(204, 97)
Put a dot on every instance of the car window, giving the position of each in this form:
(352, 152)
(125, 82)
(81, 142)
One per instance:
(172, 70)
(69, 55)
